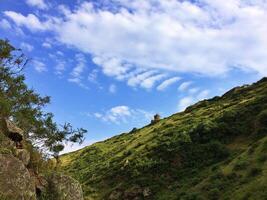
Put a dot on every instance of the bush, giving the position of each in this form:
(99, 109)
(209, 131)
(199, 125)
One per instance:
(262, 123)
(262, 158)
(192, 196)
(5, 151)
(241, 165)
(214, 194)
(255, 171)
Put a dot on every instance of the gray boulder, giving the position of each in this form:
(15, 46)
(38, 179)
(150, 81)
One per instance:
(65, 187)
(13, 132)
(15, 180)
(23, 155)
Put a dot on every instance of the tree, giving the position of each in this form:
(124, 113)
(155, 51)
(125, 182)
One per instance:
(25, 107)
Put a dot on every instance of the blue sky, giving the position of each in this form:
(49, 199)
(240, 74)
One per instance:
(110, 65)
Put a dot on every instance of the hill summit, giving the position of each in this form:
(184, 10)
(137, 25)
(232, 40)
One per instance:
(215, 149)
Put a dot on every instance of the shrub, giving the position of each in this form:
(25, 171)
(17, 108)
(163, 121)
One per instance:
(262, 158)
(192, 196)
(214, 194)
(241, 164)
(254, 171)
(262, 123)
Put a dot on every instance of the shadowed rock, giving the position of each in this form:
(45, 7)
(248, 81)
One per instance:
(13, 132)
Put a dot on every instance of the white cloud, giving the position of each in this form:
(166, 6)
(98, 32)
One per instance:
(46, 45)
(144, 79)
(150, 81)
(117, 114)
(192, 98)
(70, 147)
(92, 77)
(5, 24)
(185, 102)
(112, 88)
(184, 86)
(165, 84)
(60, 53)
(26, 46)
(193, 90)
(98, 115)
(203, 94)
(39, 66)
(37, 3)
(30, 21)
(76, 75)
(209, 37)
(60, 67)
(123, 114)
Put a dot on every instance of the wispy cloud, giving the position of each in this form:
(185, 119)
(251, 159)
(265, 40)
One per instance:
(26, 46)
(165, 84)
(76, 76)
(207, 38)
(39, 66)
(192, 98)
(46, 45)
(184, 86)
(112, 88)
(92, 77)
(123, 114)
(4, 24)
(60, 67)
(37, 3)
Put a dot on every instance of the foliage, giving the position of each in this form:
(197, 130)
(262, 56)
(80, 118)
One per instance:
(25, 106)
(203, 153)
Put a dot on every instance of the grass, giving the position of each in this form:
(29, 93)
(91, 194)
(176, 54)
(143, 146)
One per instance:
(215, 149)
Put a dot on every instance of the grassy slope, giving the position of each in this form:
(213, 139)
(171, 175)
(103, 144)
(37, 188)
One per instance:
(216, 149)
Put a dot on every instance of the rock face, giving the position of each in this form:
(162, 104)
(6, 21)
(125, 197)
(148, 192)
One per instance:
(23, 155)
(13, 132)
(5, 142)
(65, 187)
(18, 181)
(15, 180)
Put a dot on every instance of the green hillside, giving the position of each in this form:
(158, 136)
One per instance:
(215, 149)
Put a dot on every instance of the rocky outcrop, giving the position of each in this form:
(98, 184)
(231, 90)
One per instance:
(13, 132)
(65, 187)
(156, 119)
(15, 180)
(19, 182)
(23, 155)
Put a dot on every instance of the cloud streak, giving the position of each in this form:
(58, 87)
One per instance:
(209, 37)
(123, 114)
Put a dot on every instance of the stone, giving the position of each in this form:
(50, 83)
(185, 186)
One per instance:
(147, 192)
(134, 192)
(156, 119)
(15, 180)
(65, 187)
(23, 155)
(6, 142)
(40, 183)
(13, 132)
(115, 195)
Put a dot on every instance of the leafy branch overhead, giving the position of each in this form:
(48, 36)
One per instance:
(25, 107)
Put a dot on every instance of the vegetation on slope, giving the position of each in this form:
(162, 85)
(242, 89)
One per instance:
(215, 149)
(33, 136)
